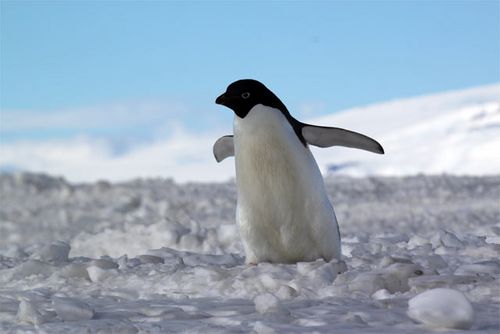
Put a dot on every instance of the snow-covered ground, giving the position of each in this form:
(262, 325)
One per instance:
(153, 256)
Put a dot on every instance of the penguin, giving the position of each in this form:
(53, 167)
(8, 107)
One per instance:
(283, 212)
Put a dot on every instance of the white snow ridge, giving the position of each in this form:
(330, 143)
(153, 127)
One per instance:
(456, 132)
(421, 254)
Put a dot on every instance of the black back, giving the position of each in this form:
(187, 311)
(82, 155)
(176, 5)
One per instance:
(242, 95)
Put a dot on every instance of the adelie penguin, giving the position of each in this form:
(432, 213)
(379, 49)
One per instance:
(283, 211)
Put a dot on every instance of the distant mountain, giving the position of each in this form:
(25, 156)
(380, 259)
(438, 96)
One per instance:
(455, 132)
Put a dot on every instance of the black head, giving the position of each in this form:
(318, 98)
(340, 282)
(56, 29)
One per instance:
(243, 95)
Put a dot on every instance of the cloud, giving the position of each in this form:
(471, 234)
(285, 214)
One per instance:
(117, 114)
(184, 156)
(311, 109)
(115, 142)
(132, 119)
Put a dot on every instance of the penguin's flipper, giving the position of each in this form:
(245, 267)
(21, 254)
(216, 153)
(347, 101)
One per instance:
(323, 136)
(223, 148)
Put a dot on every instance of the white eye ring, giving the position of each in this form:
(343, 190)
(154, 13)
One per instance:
(245, 95)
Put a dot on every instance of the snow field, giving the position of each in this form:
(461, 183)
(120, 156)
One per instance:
(153, 256)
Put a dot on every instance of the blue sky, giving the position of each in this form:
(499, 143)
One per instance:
(130, 71)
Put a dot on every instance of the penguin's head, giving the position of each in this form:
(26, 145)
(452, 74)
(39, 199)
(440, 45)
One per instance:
(242, 95)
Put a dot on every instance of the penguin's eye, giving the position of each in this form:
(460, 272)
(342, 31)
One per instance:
(245, 95)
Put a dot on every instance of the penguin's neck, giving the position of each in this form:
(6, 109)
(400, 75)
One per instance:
(262, 121)
(268, 153)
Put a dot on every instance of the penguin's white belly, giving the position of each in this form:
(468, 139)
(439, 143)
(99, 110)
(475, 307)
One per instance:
(283, 212)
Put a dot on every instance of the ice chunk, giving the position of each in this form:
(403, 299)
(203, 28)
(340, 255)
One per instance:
(493, 239)
(101, 269)
(489, 251)
(190, 241)
(382, 294)
(305, 268)
(226, 233)
(339, 266)
(266, 303)
(446, 242)
(286, 292)
(14, 251)
(396, 276)
(104, 264)
(170, 257)
(386, 261)
(56, 253)
(356, 317)
(150, 259)
(269, 281)
(228, 260)
(417, 241)
(97, 274)
(437, 281)
(28, 312)
(70, 309)
(261, 328)
(325, 274)
(442, 308)
(74, 270)
(28, 268)
(393, 278)
(368, 282)
(450, 240)
(432, 262)
(479, 269)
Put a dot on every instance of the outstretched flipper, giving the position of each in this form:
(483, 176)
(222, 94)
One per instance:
(323, 136)
(223, 148)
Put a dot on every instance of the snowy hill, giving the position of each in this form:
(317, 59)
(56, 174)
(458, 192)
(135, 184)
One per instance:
(456, 133)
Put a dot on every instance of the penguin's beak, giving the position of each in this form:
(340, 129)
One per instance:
(221, 99)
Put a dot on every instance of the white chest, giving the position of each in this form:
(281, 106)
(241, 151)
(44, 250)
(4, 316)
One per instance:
(269, 156)
(281, 198)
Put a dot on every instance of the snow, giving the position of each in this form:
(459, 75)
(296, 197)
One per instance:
(28, 313)
(266, 303)
(442, 308)
(154, 256)
(454, 132)
(71, 309)
(56, 252)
